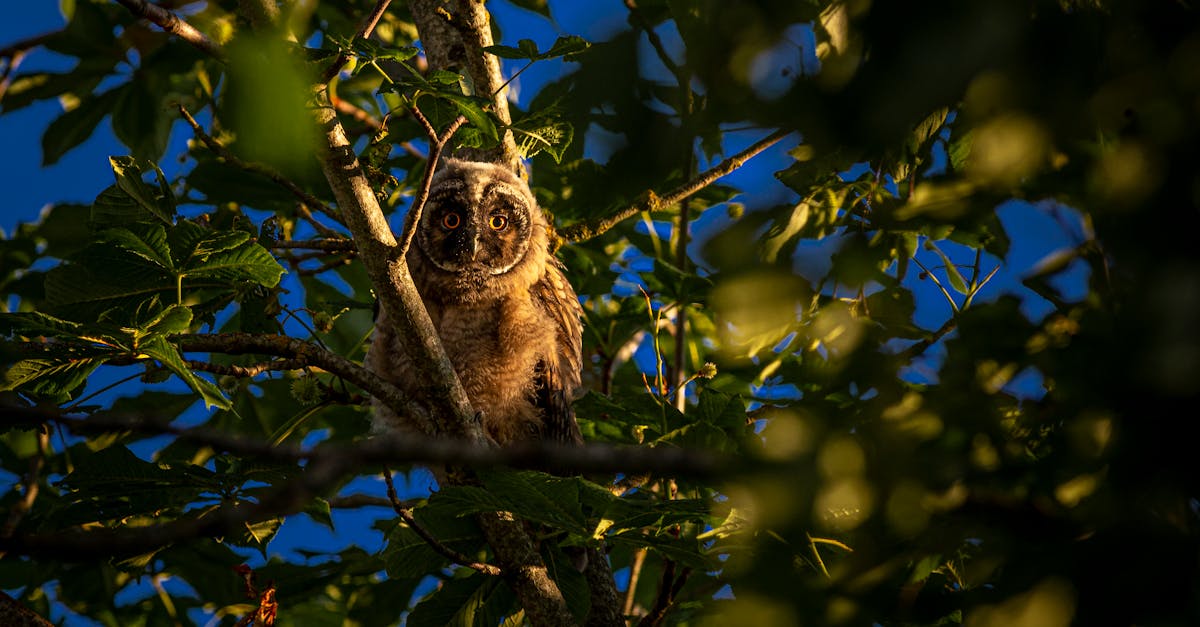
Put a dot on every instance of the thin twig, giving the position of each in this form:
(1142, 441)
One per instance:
(436, 144)
(364, 31)
(14, 61)
(656, 42)
(257, 168)
(305, 214)
(332, 264)
(651, 202)
(356, 501)
(635, 573)
(406, 515)
(174, 25)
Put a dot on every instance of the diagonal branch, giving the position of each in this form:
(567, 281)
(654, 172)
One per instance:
(437, 143)
(223, 153)
(651, 202)
(174, 25)
(406, 515)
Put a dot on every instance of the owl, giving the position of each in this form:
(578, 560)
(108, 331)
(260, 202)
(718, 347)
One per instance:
(507, 317)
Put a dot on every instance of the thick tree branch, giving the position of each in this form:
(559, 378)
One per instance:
(326, 465)
(454, 33)
(450, 409)
(412, 448)
(651, 202)
(406, 515)
(448, 403)
(173, 24)
(224, 154)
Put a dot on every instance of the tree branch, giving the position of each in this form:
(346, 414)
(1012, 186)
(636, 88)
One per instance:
(331, 245)
(309, 354)
(455, 42)
(223, 153)
(27, 44)
(436, 144)
(405, 514)
(651, 202)
(921, 346)
(401, 304)
(174, 25)
(326, 465)
(247, 371)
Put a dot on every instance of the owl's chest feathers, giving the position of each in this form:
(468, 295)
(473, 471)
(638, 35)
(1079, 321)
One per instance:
(494, 347)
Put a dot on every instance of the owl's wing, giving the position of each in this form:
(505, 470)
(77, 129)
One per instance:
(557, 378)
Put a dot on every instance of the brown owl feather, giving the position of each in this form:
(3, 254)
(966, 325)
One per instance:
(504, 310)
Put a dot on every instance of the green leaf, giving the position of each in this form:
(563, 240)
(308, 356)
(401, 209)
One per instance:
(168, 355)
(248, 262)
(318, 509)
(55, 380)
(508, 52)
(34, 323)
(545, 131)
(141, 121)
(223, 183)
(128, 171)
(146, 242)
(538, 497)
(472, 109)
(173, 319)
(955, 277)
(566, 47)
(26, 89)
(475, 600)
(73, 127)
(527, 49)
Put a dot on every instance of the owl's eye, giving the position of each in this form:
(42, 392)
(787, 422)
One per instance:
(451, 221)
(498, 222)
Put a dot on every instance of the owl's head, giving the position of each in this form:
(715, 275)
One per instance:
(480, 225)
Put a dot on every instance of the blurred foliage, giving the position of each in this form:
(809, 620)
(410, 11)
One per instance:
(897, 470)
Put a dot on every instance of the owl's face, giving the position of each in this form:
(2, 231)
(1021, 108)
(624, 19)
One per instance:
(479, 221)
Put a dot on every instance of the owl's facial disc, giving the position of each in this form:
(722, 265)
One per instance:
(475, 237)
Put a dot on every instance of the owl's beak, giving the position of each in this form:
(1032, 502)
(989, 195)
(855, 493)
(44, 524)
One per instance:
(474, 248)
